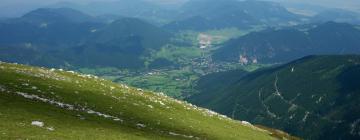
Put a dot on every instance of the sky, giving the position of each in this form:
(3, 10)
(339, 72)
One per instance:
(8, 6)
(345, 4)
(43, 2)
(328, 3)
(23, 6)
(38, 2)
(321, 2)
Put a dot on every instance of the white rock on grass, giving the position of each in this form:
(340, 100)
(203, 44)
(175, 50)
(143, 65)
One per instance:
(37, 123)
(141, 125)
(50, 128)
(25, 84)
(112, 88)
(73, 72)
(117, 119)
(245, 123)
(2, 89)
(161, 103)
(186, 136)
(65, 106)
(174, 134)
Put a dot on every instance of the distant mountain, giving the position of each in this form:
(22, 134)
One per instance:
(315, 97)
(306, 9)
(337, 15)
(55, 27)
(44, 103)
(152, 36)
(193, 23)
(232, 13)
(17, 9)
(142, 9)
(119, 44)
(57, 15)
(284, 45)
(108, 18)
(68, 37)
(168, 4)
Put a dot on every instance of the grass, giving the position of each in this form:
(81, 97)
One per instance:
(174, 83)
(179, 55)
(218, 35)
(144, 115)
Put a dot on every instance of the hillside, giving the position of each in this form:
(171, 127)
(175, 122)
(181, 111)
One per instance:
(315, 97)
(39, 103)
(287, 44)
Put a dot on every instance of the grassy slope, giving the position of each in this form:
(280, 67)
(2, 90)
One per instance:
(143, 115)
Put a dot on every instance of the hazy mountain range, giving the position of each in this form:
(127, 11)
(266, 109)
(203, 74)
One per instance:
(58, 37)
(282, 45)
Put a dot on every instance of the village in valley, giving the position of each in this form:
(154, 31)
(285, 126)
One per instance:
(179, 80)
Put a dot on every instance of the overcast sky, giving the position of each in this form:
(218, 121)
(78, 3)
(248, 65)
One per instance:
(21, 6)
(352, 4)
(332, 3)
(41, 2)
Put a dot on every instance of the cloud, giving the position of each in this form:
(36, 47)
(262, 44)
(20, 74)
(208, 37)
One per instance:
(43, 2)
(344, 4)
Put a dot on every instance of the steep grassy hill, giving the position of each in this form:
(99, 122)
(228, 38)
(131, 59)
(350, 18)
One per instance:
(316, 97)
(39, 103)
